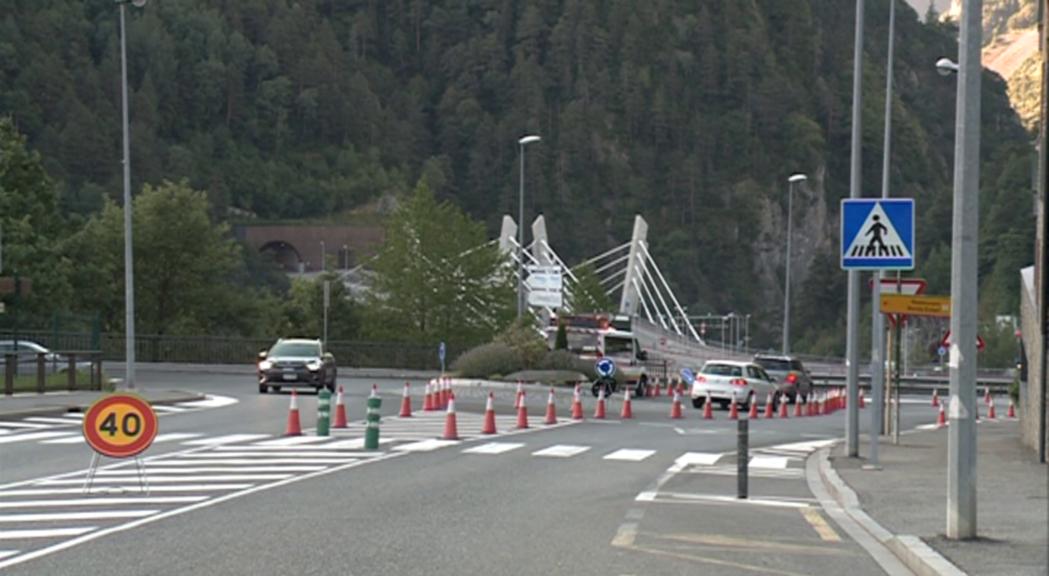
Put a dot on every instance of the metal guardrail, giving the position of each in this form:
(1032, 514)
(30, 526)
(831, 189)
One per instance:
(71, 363)
(911, 384)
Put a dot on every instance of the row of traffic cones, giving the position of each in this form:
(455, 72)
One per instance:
(988, 399)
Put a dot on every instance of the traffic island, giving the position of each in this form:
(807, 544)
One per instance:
(903, 504)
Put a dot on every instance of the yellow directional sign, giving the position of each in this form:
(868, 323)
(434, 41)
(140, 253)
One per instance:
(916, 305)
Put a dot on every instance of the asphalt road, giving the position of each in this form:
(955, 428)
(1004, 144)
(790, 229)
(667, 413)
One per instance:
(648, 495)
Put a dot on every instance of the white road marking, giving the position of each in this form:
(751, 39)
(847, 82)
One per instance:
(677, 497)
(49, 533)
(292, 441)
(164, 408)
(217, 460)
(629, 455)
(119, 490)
(285, 452)
(153, 479)
(625, 535)
(493, 448)
(73, 516)
(46, 420)
(561, 451)
(74, 439)
(173, 436)
(772, 462)
(25, 425)
(31, 436)
(102, 501)
(7, 553)
(228, 439)
(212, 401)
(355, 443)
(697, 458)
(214, 470)
(425, 445)
(805, 447)
(74, 415)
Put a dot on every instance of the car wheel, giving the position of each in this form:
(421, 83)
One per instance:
(697, 403)
(276, 389)
(263, 389)
(723, 404)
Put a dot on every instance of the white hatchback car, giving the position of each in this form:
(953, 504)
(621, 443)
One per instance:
(725, 379)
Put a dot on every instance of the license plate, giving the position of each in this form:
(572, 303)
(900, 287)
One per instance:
(289, 375)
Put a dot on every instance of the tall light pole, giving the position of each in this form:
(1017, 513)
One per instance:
(877, 319)
(129, 275)
(793, 181)
(524, 141)
(961, 436)
(852, 335)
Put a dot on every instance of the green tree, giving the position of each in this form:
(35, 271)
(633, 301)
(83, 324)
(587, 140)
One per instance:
(303, 310)
(437, 277)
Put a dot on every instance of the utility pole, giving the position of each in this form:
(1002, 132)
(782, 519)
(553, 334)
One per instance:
(852, 348)
(961, 435)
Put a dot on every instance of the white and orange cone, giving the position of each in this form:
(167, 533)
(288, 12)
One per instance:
(941, 419)
(783, 413)
(340, 411)
(733, 410)
(489, 415)
(991, 414)
(522, 412)
(753, 412)
(675, 408)
(520, 394)
(798, 412)
(294, 427)
(770, 410)
(551, 410)
(451, 425)
(599, 410)
(428, 405)
(1011, 413)
(708, 408)
(627, 411)
(406, 403)
(577, 405)
(935, 397)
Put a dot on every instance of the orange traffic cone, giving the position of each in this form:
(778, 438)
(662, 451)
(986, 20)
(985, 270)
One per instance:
(935, 397)
(991, 415)
(428, 398)
(708, 408)
(675, 408)
(551, 410)
(489, 415)
(810, 404)
(798, 413)
(294, 426)
(862, 403)
(340, 411)
(783, 408)
(520, 394)
(769, 408)
(577, 405)
(406, 403)
(753, 412)
(627, 411)
(656, 391)
(941, 420)
(522, 412)
(599, 411)
(446, 393)
(987, 395)
(451, 426)
(1011, 413)
(733, 411)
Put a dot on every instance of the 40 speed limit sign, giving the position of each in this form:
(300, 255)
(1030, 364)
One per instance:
(120, 425)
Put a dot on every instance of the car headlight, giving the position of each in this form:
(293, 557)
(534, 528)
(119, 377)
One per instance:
(265, 365)
(314, 365)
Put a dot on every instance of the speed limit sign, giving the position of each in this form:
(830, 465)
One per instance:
(120, 425)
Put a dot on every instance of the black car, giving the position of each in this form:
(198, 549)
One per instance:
(792, 379)
(296, 363)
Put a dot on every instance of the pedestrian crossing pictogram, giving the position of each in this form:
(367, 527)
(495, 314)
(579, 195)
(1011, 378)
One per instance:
(877, 234)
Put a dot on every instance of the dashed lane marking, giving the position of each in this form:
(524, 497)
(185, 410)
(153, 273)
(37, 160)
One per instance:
(119, 490)
(227, 439)
(293, 441)
(772, 462)
(102, 501)
(629, 455)
(153, 479)
(493, 448)
(76, 516)
(425, 445)
(561, 451)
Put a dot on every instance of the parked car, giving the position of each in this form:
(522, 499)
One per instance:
(28, 350)
(296, 363)
(791, 376)
(725, 379)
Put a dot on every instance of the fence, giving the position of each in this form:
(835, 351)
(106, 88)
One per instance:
(233, 350)
(42, 371)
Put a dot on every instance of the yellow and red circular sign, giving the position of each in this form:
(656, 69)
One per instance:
(120, 425)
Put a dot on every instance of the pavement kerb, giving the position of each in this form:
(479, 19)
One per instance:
(78, 406)
(912, 551)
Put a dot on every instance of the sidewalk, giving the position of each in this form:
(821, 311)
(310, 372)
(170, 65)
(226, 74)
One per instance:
(53, 403)
(907, 498)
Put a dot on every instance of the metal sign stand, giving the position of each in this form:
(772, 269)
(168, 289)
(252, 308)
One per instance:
(96, 459)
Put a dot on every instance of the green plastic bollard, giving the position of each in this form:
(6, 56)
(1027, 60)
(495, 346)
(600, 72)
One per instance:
(371, 432)
(323, 412)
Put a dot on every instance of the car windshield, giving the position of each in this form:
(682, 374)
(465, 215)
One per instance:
(777, 364)
(577, 341)
(299, 349)
(722, 370)
(616, 346)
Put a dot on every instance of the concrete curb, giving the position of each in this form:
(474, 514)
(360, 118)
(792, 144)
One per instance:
(912, 551)
(80, 406)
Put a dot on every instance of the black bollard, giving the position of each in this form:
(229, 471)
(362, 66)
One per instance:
(742, 457)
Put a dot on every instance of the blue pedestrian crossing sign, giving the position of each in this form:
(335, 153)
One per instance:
(605, 367)
(877, 234)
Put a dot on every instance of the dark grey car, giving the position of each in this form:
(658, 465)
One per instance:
(792, 379)
(296, 363)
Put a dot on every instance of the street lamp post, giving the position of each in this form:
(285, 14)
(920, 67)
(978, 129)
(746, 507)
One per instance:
(129, 283)
(793, 181)
(524, 141)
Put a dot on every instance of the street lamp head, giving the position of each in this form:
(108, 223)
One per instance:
(946, 67)
(797, 178)
(138, 3)
(526, 140)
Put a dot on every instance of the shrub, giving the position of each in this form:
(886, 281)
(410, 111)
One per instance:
(1014, 391)
(525, 339)
(561, 343)
(487, 360)
(563, 360)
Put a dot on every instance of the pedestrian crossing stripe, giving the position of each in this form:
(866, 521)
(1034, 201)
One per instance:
(877, 234)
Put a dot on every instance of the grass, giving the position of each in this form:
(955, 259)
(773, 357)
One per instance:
(54, 382)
